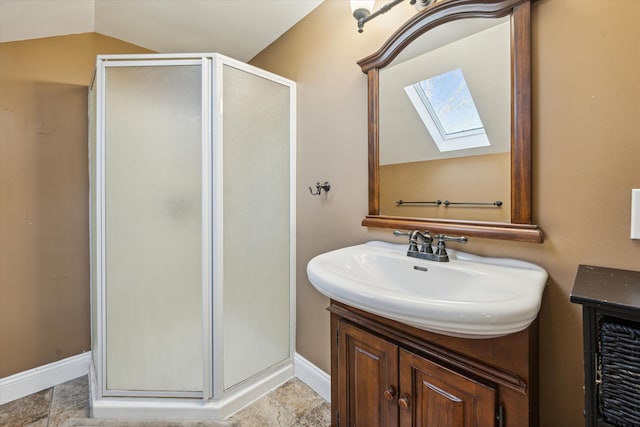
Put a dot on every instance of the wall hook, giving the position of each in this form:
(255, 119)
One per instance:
(319, 187)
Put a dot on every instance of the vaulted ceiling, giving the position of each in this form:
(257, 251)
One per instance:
(237, 28)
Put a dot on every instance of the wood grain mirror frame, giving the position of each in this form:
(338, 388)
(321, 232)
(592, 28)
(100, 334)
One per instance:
(520, 228)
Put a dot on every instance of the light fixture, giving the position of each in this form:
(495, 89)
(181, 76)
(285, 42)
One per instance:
(421, 4)
(361, 9)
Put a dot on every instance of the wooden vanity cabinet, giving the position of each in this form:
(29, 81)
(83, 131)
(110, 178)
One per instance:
(386, 374)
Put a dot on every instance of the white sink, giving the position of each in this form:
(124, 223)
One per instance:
(470, 296)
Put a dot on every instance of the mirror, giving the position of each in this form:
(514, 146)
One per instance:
(445, 117)
(450, 124)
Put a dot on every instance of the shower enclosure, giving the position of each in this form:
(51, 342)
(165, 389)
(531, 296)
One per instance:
(192, 171)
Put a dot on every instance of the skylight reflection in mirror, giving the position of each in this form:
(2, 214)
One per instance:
(446, 107)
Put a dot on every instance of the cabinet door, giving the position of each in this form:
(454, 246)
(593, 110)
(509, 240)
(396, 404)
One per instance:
(367, 379)
(434, 396)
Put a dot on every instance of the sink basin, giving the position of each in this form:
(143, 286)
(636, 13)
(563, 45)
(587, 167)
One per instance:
(470, 296)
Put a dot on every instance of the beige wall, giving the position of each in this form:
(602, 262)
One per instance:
(586, 109)
(44, 239)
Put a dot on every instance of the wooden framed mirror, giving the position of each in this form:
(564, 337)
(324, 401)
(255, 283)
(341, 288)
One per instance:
(517, 222)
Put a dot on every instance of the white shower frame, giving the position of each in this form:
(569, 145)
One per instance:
(214, 401)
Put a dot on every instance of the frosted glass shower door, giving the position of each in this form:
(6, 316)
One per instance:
(258, 218)
(153, 228)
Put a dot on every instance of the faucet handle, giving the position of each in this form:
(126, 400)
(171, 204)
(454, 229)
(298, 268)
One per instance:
(458, 239)
(401, 233)
(413, 233)
(441, 249)
(413, 238)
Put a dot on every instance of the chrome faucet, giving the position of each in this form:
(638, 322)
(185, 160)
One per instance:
(426, 250)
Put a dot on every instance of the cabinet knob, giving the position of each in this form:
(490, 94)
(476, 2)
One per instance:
(404, 402)
(390, 393)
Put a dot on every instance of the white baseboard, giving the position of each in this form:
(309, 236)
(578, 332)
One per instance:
(314, 377)
(43, 377)
(37, 379)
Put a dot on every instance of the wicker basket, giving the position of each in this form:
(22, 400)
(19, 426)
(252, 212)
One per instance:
(620, 368)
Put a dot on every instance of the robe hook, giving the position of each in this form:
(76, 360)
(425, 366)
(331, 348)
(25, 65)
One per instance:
(319, 187)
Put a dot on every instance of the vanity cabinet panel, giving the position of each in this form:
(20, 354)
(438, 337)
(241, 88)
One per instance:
(385, 373)
(437, 396)
(367, 378)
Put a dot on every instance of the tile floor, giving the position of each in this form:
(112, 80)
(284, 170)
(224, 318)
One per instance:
(293, 404)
